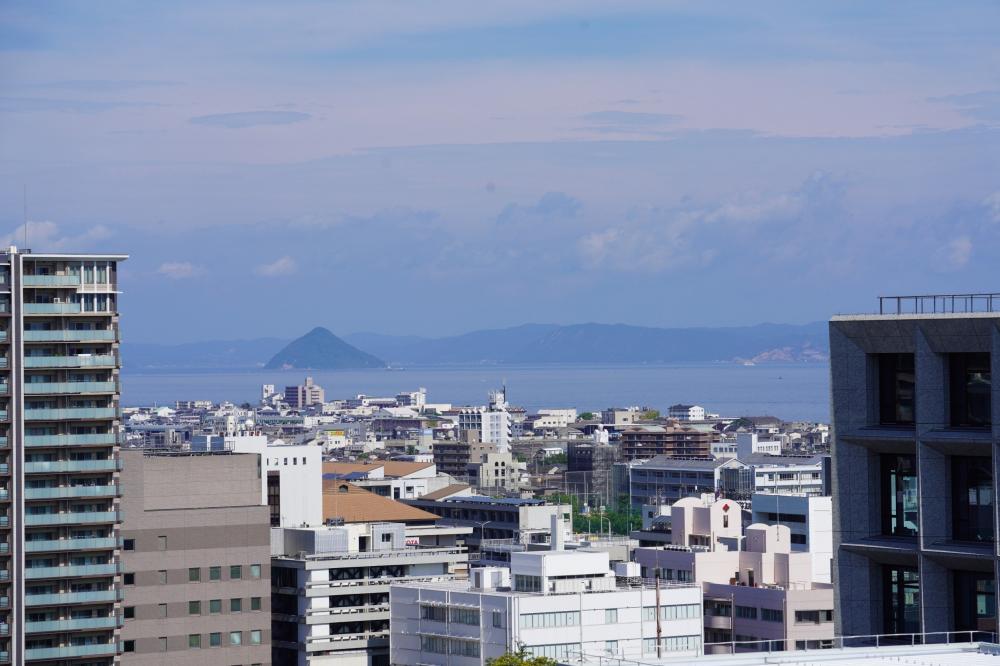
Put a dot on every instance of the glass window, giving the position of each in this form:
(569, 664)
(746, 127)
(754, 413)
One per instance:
(129, 579)
(901, 599)
(969, 390)
(163, 643)
(972, 498)
(194, 575)
(162, 576)
(235, 637)
(161, 543)
(194, 608)
(610, 616)
(235, 572)
(255, 571)
(895, 389)
(215, 573)
(215, 640)
(128, 646)
(899, 495)
(975, 601)
(129, 544)
(194, 640)
(255, 604)
(215, 606)
(129, 612)
(235, 605)
(162, 610)
(255, 637)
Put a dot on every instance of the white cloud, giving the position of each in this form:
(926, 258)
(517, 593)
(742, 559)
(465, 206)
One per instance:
(283, 266)
(992, 204)
(958, 252)
(44, 236)
(178, 270)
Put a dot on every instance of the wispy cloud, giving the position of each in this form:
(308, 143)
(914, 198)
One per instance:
(243, 119)
(101, 85)
(179, 270)
(283, 266)
(42, 105)
(46, 236)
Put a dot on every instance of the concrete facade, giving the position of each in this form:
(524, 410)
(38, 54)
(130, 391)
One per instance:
(196, 560)
(884, 532)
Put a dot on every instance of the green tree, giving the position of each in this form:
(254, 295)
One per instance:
(587, 416)
(651, 414)
(520, 658)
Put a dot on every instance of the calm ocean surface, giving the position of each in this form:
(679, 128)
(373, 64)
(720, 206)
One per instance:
(792, 392)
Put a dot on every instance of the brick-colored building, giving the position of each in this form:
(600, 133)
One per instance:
(648, 441)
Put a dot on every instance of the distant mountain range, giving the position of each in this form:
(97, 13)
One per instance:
(320, 349)
(530, 343)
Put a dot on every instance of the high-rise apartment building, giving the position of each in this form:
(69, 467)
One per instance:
(59, 462)
(915, 462)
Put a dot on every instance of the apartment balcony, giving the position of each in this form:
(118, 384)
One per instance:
(105, 439)
(96, 361)
(4, 388)
(64, 466)
(351, 614)
(68, 492)
(4, 576)
(4, 415)
(3, 363)
(52, 626)
(69, 598)
(88, 335)
(3, 441)
(4, 495)
(89, 570)
(52, 308)
(74, 651)
(52, 280)
(82, 518)
(71, 413)
(4, 467)
(63, 545)
(4, 548)
(35, 388)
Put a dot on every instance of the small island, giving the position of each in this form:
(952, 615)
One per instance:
(320, 349)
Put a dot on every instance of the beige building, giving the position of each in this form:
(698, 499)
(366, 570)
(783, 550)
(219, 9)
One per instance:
(306, 395)
(196, 560)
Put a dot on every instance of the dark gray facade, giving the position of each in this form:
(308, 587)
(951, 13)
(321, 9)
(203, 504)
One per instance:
(914, 463)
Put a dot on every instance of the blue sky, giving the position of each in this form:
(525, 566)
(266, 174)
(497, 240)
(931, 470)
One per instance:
(432, 168)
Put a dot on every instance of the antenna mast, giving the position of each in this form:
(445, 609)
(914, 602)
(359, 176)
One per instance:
(25, 216)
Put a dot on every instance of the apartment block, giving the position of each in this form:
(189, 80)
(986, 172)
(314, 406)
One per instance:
(196, 560)
(331, 584)
(915, 463)
(59, 436)
(649, 441)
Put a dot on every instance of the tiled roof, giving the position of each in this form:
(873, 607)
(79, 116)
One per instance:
(356, 505)
(447, 491)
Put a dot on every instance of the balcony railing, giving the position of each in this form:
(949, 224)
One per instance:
(107, 438)
(74, 413)
(71, 651)
(71, 572)
(70, 335)
(66, 492)
(60, 466)
(69, 518)
(63, 545)
(73, 598)
(51, 280)
(34, 388)
(52, 308)
(102, 361)
(49, 626)
(938, 304)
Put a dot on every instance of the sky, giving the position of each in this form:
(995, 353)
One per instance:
(431, 168)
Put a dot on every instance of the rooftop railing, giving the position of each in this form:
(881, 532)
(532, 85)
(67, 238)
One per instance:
(939, 304)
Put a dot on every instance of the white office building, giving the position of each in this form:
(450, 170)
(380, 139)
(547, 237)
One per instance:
(686, 412)
(809, 519)
(565, 605)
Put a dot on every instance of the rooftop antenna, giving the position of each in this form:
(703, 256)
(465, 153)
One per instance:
(25, 201)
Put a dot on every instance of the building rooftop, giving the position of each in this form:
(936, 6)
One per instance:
(681, 463)
(446, 492)
(507, 501)
(351, 504)
(954, 654)
(932, 305)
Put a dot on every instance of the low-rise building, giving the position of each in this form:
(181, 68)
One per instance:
(195, 560)
(681, 441)
(330, 591)
(809, 519)
(494, 518)
(686, 412)
(763, 592)
(565, 605)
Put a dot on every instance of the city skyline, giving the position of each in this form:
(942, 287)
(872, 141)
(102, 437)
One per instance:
(552, 163)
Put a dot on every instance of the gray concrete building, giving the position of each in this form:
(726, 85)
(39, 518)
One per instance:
(60, 424)
(195, 560)
(915, 458)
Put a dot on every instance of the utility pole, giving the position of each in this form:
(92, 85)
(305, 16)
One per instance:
(659, 626)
